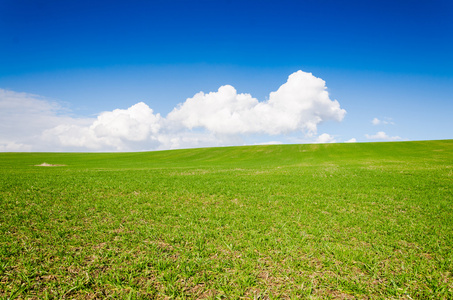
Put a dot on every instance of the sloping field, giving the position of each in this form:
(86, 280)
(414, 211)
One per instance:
(342, 221)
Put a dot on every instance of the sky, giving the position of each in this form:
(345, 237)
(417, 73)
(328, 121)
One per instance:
(136, 75)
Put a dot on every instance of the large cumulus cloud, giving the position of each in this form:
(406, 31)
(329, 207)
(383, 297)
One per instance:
(224, 117)
(298, 105)
(121, 129)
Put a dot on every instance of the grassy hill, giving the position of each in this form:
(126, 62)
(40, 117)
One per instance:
(364, 220)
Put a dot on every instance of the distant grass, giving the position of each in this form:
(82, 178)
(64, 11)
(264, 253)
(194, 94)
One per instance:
(339, 221)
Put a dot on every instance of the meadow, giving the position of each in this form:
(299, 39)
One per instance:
(321, 221)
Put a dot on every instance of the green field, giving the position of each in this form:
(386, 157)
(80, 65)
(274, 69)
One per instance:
(341, 221)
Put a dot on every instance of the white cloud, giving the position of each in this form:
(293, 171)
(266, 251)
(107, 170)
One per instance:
(381, 135)
(376, 121)
(32, 123)
(23, 118)
(120, 129)
(24, 114)
(353, 140)
(135, 124)
(8, 146)
(325, 138)
(298, 105)
(270, 143)
(387, 121)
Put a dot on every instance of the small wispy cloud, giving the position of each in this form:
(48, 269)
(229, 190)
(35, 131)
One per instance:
(223, 117)
(386, 121)
(269, 143)
(353, 140)
(376, 121)
(24, 117)
(325, 138)
(381, 135)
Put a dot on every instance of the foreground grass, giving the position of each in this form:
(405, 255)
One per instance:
(341, 221)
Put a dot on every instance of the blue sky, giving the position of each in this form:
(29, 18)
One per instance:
(72, 71)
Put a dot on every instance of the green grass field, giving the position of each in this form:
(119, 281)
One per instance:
(340, 221)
